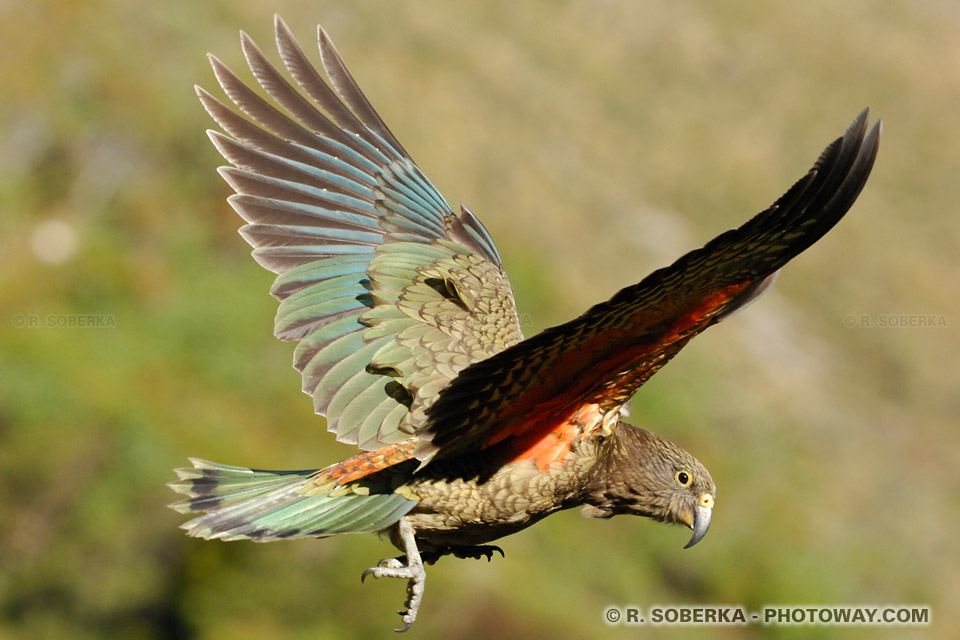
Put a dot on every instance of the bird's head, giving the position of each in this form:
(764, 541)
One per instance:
(642, 474)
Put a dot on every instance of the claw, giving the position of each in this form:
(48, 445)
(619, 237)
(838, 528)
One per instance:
(488, 551)
(410, 566)
(412, 569)
(386, 563)
(477, 552)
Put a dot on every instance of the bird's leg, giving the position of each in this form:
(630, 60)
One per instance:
(412, 570)
(461, 551)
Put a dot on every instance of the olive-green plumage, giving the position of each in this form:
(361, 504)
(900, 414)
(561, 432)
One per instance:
(409, 344)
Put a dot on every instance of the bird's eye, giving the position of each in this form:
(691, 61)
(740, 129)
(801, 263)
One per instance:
(682, 478)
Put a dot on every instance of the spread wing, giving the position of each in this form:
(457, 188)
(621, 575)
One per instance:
(590, 366)
(388, 291)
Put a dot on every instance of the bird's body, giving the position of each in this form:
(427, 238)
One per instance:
(473, 500)
(410, 346)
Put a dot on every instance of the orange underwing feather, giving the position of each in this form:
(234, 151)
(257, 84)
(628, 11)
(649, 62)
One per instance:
(366, 463)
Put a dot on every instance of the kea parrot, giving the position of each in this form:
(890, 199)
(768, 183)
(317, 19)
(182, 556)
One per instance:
(410, 345)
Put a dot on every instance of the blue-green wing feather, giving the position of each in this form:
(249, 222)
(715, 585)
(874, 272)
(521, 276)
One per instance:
(388, 291)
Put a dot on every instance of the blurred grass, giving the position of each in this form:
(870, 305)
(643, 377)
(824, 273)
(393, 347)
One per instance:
(597, 139)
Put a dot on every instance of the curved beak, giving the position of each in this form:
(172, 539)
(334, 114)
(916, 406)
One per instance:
(701, 522)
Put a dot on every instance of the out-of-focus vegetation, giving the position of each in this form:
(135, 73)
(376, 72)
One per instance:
(597, 139)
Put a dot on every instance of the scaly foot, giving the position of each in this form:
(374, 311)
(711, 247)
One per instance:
(412, 570)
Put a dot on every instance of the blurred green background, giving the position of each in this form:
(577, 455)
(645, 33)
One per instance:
(597, 140)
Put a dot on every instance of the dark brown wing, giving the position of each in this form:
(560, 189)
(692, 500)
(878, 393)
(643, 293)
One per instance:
(593, 364)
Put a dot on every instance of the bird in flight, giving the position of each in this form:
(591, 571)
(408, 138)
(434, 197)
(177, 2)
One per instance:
(410, 346)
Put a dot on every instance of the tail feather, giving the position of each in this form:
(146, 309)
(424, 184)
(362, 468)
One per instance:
(252, 504)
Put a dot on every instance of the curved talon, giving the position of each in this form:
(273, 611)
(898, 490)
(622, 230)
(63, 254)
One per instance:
(488, 551)
(476, 552)
(386, 563)
(409, 566)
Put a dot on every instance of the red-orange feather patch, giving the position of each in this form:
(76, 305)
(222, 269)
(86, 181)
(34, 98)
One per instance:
(366, 463)
(544, 421)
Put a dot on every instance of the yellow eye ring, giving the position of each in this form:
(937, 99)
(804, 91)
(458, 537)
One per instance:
(682, 478)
